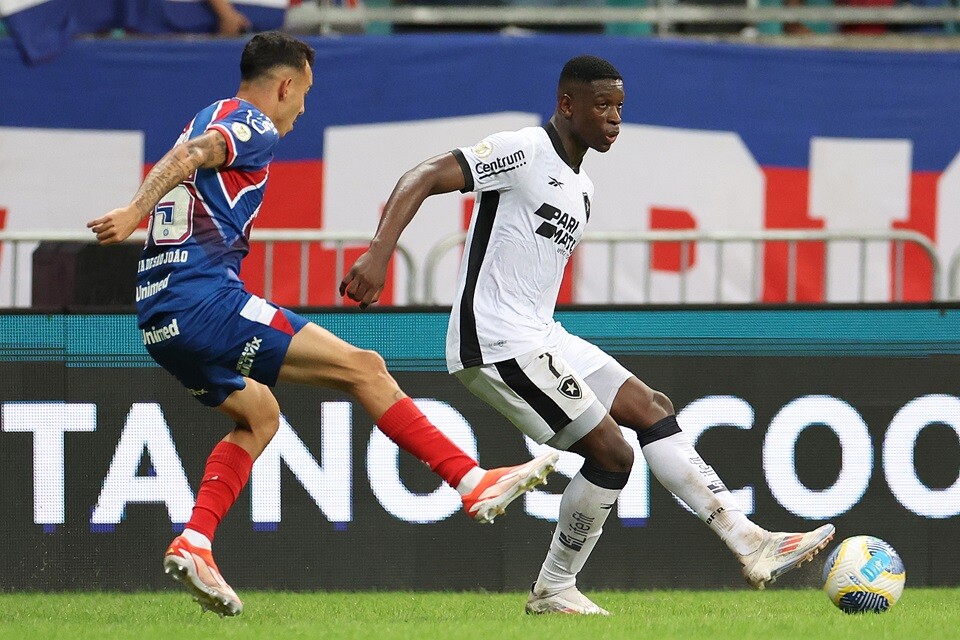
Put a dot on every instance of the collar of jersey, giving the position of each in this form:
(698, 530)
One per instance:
(554, 136)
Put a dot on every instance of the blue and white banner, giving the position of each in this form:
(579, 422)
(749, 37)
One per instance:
(715, 138)
(43, 28)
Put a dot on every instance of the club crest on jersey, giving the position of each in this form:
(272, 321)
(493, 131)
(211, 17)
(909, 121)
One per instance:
(241, 130)
(570, 388)
(483, 149)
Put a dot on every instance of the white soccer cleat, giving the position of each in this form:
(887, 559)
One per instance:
(195, 569)
(569, 601)
(499, 487)
(782, 552)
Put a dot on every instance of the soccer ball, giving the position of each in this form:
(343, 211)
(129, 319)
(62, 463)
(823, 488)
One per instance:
(864, 574)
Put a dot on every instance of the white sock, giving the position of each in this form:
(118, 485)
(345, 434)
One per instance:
(681, 470)
(584, 508)
(470, 481)
(196, 538)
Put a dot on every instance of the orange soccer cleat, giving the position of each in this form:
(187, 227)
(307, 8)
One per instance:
(499, 487)
(195, 569)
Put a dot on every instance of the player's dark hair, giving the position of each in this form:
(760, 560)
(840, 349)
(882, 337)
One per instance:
(587, 69)
(273, 49)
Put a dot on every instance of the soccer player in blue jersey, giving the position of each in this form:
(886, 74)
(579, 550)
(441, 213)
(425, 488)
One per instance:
(227, 346)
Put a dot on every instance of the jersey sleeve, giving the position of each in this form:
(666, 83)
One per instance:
(497, 162)
(251, 138)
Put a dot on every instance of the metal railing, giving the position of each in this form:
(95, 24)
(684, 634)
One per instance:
(314, 17)
(757, 240)
(268, 237)
(339, 239)
(12, 240)
(954, 293)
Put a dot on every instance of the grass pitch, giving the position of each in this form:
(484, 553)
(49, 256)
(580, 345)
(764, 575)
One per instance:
(928, 614)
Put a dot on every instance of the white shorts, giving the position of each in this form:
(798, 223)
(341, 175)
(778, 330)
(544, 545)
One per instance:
(553, 395)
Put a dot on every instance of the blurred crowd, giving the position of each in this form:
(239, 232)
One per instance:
(773, 28)
(229, 18)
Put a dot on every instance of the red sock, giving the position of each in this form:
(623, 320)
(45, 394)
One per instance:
(406, 425)
(227, 471)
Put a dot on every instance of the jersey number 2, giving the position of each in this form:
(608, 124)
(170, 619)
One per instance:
(173, 217)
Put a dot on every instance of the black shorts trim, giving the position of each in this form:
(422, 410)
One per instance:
(546, 408)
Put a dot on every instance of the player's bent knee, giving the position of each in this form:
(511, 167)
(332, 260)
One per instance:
(662, 402)
(624, 458)
(617, 459)
(606, 448)
(269, 422)
(370, 369)
(261, 414)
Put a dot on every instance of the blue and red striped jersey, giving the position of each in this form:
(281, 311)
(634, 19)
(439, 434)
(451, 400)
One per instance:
(200, 231)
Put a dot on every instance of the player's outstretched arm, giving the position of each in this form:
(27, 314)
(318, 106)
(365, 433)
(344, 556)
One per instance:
(365, 279)
(206, 151)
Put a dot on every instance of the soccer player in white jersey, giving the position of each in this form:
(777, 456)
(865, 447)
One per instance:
(504, 345)
(228, 346)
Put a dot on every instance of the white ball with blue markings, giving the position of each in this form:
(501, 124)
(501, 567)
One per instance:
(864, 574)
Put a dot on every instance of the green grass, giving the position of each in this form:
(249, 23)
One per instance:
(927, 614)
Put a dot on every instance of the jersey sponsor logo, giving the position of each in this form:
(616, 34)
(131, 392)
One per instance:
(152, 288)
(167, 257)
(242, 131)
(153, 335)
(260, 123)
(500, 165)
(570, 388)
(559, 226)
(245, 363)
(714, 515)
(553, 182)
(577, 531)
(483, 149)
(717, 487)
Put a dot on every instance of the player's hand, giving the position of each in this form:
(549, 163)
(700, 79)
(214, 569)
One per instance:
(364, 282)
(116, 226)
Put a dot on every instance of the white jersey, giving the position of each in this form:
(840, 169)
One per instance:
(530, 215)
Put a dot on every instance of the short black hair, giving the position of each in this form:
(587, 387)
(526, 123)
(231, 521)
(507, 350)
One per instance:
(588, 69)
(273, 49)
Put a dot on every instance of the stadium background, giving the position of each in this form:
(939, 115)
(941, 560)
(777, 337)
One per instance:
(100, 450)
(724, 137)
(715, 138)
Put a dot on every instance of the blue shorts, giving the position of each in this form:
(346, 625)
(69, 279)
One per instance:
(211, 348)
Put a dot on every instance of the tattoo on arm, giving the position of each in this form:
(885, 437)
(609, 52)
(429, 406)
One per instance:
(212, 149)
(206, 151)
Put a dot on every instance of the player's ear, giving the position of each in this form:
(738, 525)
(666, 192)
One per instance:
(565, 105)
(284, 88)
